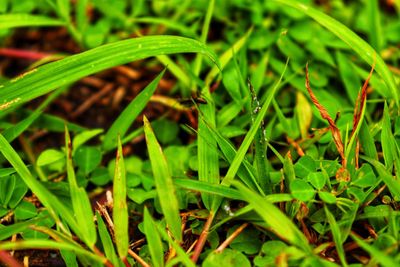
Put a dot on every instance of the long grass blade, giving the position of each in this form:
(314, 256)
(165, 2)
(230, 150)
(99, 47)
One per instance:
(129, 114)
(163, 180)
(153, 240)
(280, 224)
(120, 210)
(80, 200)
(8, 21)
(53, 75)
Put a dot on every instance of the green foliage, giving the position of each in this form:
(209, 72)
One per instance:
(245, 174)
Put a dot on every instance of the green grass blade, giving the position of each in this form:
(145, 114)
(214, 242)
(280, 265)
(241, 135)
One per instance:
(120, 210)
(208, 160)
(106, 240)
(362, 48)
(375, 34)
(53, 75)
(387, 140)
(121, 125)
(163, 180)
(16, 228)
(205, 187)
(49, 244)
(52, 203)
(237, 161)
(377, 254)
(246, 170)
(13, 132)
(8, 21)
(260, 147)
(392, 183)
(273, 216)
(184, 258)
(337, 237)
(153, 240)
(80, 200)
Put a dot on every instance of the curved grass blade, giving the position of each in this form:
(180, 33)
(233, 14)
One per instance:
(273, 216)
(130, 113)
(8, 21)
(49, 244)
(120, 210)
(153, 240)
(7, 231)
(163, 180)
(362, 48)
(50, 76)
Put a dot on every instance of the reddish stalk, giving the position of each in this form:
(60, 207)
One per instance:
(138, 258)
(24, 54)
(9, 260)
(203, 238)
(232, 237)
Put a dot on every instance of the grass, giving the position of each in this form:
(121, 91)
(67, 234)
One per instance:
(240, 133)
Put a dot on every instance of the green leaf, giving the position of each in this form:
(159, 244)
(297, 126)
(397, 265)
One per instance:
(25, 210)
(327, 197)
(46, 78)
(87, 158)
(163, 180)
(49, 156)
(129, 114)
(302, 190)
(153, 240)
(227, 258)
(317, 179)
(8, 21)
(304, 166)
(83, 137)
(120, 211)
(362, 48)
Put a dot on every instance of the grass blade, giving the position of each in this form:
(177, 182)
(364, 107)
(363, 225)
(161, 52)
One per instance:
(106, 240)
(362, 48)
(8, 21)
(241, 153)
(153, 240)
(80, 200)
(377, 255)
(279, 222)
(337, 237)
(16, 228)
(52, 203)
(129, 114)
(205, 187)
(120, 210)
(49, 244)
(50, 76)
(163, 180)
